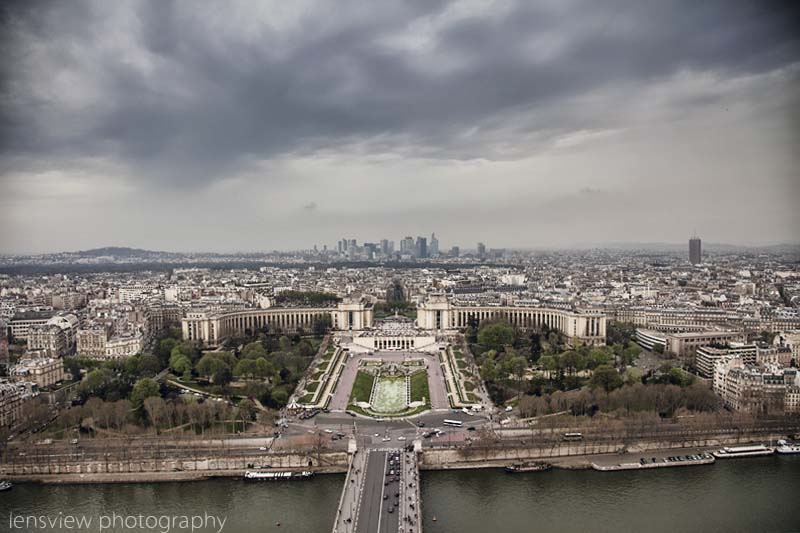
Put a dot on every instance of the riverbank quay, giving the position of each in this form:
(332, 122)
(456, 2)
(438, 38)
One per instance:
(563, 456)
(51, 467)
(577, 455)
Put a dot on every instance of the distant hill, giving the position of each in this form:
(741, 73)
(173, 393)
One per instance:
(120, 251)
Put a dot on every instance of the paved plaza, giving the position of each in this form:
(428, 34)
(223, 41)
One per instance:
(436, 385)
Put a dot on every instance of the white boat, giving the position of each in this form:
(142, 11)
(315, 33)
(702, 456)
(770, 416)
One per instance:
(277, 476)
(664, 462)
(5, 485)
(743, 451)
(785, 447)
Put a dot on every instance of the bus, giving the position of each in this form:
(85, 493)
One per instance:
(453, 423)
(573, 436)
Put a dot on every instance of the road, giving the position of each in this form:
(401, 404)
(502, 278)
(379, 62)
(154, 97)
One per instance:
(373, 514)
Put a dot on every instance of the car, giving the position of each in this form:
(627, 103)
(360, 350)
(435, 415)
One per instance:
(386, 439)
(74, 441)
(390, 509)
(471, 428)
(509, 409)
(328, 431)
(401, 438)
(377, 435)
(262, 448)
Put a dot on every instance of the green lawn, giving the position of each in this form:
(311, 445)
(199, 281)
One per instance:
(362, 388)
(419, 387)
(313, 386)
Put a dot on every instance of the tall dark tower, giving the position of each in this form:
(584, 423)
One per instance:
(695, 251)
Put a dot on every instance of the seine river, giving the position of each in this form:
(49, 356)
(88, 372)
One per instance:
(759, 495)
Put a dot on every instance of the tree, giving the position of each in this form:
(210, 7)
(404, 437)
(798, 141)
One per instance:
(632, 376)
(208, 365)
(144, 388)
(130, 366)
(518, 365)
(122, 409)
(536, 346)
(245, 368)
(489, 370)
(548, 362)
(95, 382)
(280, 397)
(620, 333)
(149, 365)
(156, 409)
(496, 335)
(222, 375)
(254, 350)
(631, 354)
(263, 368)
(321, 325)
(304, 349)
(606, 377)
(247, 410)
(570, 361)
(599, 355)
(181, 365)
(73, 366)
(285, 343)
(164, 349)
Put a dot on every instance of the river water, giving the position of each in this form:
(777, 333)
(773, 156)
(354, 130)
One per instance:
(756, 494)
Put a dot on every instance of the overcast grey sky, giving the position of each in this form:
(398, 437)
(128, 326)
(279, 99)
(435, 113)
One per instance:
(256, 125)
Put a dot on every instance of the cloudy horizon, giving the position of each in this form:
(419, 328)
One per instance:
(252, 126)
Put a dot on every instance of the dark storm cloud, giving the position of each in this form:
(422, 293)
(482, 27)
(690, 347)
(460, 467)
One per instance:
(187, 98)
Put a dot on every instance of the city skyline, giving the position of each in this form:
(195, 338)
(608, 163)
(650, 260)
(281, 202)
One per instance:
(520, 125)
(424, 265)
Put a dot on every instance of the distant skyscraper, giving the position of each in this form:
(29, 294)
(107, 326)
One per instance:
(407, 245)
(481, 250)
(455, 251)
(695, 251)
(385, 246)
(433, 249)
(421, 248)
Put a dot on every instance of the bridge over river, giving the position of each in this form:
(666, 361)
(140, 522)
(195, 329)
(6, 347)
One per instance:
(381, 492)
